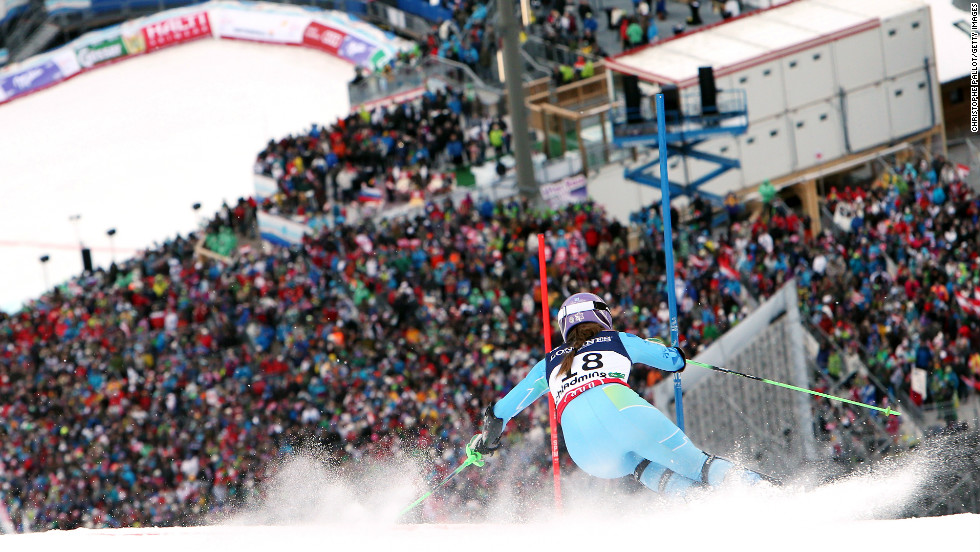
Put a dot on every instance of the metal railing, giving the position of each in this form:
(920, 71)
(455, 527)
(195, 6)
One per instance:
(432, 71)
(462, 76)
(374, 86)
(540, 48)
(533, 69)
(24, 27)
(689, 116)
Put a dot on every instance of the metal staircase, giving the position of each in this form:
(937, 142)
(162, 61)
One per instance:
(21, 28)
(37, 41)
(688, 125)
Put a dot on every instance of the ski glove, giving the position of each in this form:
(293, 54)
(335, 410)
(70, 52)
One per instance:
(683, 356)
(488, 442)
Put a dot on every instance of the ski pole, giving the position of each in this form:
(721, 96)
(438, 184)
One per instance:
(669, 254)
(472, 457)
(888, 411)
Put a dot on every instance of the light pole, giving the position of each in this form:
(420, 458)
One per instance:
(513, 68)
(74, 220)
(44, 269)
(197, 220)
(112, 243)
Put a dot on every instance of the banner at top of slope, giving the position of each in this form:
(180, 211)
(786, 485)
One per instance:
(336, 33)
(174, 30)
(261, 25)
(322, 37)
(37, 73)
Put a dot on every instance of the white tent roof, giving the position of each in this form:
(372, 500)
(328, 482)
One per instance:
(767, 33)
(824, 20)
(756, 37)
(881, 9)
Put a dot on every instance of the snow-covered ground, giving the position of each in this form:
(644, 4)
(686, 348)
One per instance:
(586, 533)
(308, 509)
(132, 146)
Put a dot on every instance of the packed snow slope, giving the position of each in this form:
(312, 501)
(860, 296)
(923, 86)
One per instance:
(133, 145)
(308, 507)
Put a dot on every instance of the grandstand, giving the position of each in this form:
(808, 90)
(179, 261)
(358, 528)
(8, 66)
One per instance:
(369, 293)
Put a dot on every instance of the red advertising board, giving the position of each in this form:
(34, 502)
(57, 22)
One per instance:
(176, 30)
(319, 36)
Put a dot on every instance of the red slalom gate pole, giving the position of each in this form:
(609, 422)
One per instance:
(552, 413)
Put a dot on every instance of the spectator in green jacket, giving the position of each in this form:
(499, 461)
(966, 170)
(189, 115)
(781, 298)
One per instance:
(767, 191)
(496, 137)
(634, 34)
(567, 73)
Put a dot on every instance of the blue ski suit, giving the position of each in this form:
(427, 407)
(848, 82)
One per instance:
(609, 430)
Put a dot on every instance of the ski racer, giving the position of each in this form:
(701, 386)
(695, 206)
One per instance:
(609, 430)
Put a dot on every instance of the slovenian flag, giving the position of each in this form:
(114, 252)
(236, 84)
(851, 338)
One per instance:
(370, 195)
(727, 271)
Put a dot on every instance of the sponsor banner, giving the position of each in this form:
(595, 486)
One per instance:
(261, 26)
(356, 51)
(573, 189)
(175, 30)
(132, 37)
(32, 78)
(281, 231)
(265, 187)
(65, 59)
(379, 59)
(322, 37)
(94, 54)
(333, 32)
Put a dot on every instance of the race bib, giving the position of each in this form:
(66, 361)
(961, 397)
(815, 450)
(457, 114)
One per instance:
(593, 365)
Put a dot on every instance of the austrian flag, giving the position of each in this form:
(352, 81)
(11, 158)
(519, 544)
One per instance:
(970, 303)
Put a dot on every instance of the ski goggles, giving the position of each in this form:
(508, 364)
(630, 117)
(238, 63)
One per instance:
(577, 308)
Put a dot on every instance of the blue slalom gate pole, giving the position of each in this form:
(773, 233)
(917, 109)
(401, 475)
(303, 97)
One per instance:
(669, 254)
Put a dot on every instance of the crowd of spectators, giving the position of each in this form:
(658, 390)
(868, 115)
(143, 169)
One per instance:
(469, 38)
(575, 27)
(160, 391)
(389, 155)
(895, 282)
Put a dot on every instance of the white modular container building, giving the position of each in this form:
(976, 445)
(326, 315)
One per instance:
(823, 79)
